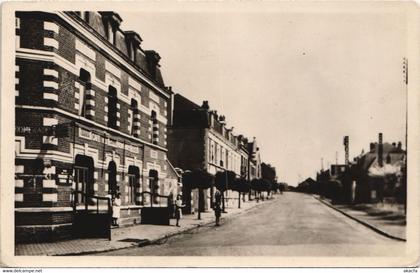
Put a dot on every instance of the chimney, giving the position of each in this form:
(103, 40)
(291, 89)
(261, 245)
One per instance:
(371, 146)
(152, 58)
(205, 105)
(222, 119)
(380, 151)
(399, 145)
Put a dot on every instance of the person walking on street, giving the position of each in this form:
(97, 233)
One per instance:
(178, 212)
(217, 208)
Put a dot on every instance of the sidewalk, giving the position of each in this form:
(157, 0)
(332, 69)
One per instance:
(132, 236)
(387, 220)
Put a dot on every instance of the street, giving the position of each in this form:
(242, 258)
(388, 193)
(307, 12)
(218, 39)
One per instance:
(292, 224)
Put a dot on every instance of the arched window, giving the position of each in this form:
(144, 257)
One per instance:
(85, 85)
(155, 128)
(112, 107)
(133, 184)
(153, 184)
(134, 117)
(112, 178)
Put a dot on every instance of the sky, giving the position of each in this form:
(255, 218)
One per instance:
(297, 81)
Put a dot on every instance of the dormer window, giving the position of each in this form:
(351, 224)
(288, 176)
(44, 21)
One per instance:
(110, 33)
(111, 22)
(86, 16)
(133, 41)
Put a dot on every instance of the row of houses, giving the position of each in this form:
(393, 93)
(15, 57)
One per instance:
(378, 175)
(95, 118)
(199, 139)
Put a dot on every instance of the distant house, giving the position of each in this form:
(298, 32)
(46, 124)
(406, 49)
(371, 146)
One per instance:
(379, 172)
(309, 185)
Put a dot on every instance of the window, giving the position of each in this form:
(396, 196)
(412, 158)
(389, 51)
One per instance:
(134, 118)
(110, 33)
(154, 185)
(155, 128)
(131, 188)
(132, 52)
(112, 107)
(211, 151)
(216, 153)
(133, 184)
(112, 178)
(85, 85)
(227, 159)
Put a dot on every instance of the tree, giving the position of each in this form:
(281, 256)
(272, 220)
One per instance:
(275, 186)
(265, 186)
(241, 185)
(223, 182)
(201, 180)
(256, 185)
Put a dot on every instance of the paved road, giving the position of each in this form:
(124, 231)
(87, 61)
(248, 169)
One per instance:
(291, 225)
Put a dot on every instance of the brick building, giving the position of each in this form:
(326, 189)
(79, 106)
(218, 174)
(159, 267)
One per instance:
(91, 116)
(199, 139)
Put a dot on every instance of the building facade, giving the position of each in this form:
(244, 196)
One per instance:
(254, 162)
(199, 139)
(91, 120)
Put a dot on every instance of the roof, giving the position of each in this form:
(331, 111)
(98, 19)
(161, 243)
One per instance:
(369, 159)
(188, 114)
(182, 103)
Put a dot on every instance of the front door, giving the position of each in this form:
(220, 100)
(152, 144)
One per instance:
(81, 180)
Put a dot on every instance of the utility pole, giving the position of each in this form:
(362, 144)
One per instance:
(322, 163)
(346, 149)
(405, 74)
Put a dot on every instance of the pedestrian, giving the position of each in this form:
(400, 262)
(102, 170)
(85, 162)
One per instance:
(217, 208)
(171, 205)
(178, 206)
(116, 204)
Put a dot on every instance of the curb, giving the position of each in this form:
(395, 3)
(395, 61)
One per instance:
(372, 227)
(197, 226)
(147, 242)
